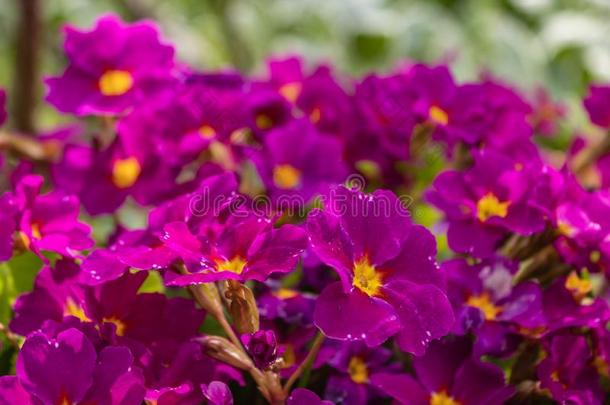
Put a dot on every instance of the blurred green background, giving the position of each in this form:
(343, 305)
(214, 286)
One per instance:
(559, 44)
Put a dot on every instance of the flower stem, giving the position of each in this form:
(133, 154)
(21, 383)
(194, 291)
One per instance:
(306, 363)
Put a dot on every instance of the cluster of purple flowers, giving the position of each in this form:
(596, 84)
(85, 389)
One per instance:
(333, 284)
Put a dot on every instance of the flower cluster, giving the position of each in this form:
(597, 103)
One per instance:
(210, 237)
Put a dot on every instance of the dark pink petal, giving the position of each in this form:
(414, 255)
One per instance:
(218, 393)
(275, 251)
(474, 238)
(479, 383)
(375, 223)
(598, 105)
(12, 392)
(416, 261)
(436, 369)
(57, 369)
(331, 244)
(401, 387)
(100, 266)
(424, 311)
(114, 379)
(302, 396)
(354, 316)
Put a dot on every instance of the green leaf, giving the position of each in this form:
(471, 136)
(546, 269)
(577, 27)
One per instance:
(16, 277)
(152, 284)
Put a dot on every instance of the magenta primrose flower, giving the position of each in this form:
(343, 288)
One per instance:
(297, 161)
(448, 375)
(390, 282)
(41, 222)
(111, 67)
(486, 203)
(67, 369)
(246, 248)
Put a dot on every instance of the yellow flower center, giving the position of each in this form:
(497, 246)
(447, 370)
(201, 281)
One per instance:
(357, 370)
(579, 287)
(489, 206)
(36, 231)
(603, 368)
(594, 256)
(285, 293)
(290, 91)
(64, 399)
(120, 325)
(289, 356)
(366, 278)
(286, 176)
(235, 265)
(115, 82)
(315, 115)
(483, 302)
(73, 309)
(565, 229)
(442, 398)
(263, 121)
(125, 172)
(207, 132)
(555, 376)
(438, 115)
(24, 239)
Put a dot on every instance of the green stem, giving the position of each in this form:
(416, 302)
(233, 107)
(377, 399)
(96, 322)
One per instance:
(306, 363)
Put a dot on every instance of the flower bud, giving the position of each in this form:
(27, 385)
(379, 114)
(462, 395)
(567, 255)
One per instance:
(262, 347)
(243, 308)
(225, 351)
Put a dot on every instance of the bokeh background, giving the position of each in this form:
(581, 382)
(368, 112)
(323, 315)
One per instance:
(561, 45)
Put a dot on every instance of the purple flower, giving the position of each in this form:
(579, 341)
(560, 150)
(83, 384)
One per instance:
(262, 347)
(245, 247)
(567, 372)
(44, 222)
(112, 67)
(315, 95)
(597, 104)
(116, 308)
(385, 118)
(482, 110)
(326, 103)
(584, 226)
(297, 163)
(390, 283)
(486, 203)
(67, 369)
(118, 171)
(447, 375)
(144, 249)
(265, 110)
(357, 367)
(194, 119)
(286, 75)
(566, 304)
(487, 303)
(55, 294)
(287, 304)
(186, 377)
